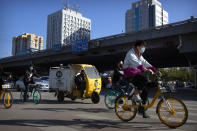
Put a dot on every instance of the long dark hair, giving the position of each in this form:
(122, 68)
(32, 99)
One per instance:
(1, 68)
(139, 43)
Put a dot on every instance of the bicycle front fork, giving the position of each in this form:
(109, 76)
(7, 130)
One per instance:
(167, 104)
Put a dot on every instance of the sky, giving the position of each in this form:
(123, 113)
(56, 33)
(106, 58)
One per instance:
(107, 16)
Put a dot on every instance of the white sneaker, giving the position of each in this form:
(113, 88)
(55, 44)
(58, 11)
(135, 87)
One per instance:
(137, 98)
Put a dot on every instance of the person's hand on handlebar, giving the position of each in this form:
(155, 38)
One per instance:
(159, 73)
(152, 72)
(148, 70)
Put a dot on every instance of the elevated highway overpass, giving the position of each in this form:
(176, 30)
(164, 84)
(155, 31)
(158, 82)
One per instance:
(167, 46)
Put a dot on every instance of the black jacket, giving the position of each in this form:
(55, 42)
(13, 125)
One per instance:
(118, 73)
(29, 76)
(80, 79)
(2, 76)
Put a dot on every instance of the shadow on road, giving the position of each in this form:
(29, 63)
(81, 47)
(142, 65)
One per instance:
(88, 123)
(18, 101)
(88, 110)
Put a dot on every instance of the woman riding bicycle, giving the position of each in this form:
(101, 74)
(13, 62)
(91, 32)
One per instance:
(134, 66)
(1, 77)
(28, 79)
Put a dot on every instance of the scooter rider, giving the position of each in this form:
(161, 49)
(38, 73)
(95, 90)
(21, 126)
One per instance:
(28, 79)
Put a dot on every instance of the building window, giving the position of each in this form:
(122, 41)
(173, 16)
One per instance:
(137, 19)
(151, 10)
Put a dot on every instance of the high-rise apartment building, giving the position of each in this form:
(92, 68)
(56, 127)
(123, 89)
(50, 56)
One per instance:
(145, 14)
(25, 43)
(66, 26)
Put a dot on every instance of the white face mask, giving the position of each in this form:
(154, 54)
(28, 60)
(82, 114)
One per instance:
(142, 50)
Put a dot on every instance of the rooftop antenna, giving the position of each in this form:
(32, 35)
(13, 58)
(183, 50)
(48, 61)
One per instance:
(65, 4)
(75, 7)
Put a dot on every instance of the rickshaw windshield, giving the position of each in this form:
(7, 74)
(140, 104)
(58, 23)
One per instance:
(92, 72)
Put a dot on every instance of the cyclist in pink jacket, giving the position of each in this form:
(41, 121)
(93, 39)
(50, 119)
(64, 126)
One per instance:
(133, 67)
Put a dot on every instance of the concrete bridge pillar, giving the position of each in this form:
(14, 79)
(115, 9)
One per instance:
(195, 84)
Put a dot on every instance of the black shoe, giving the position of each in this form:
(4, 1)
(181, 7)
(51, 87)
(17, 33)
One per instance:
(141, 110)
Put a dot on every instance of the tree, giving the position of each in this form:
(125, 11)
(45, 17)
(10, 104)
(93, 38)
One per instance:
(180, 74)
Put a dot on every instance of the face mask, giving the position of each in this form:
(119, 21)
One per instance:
(142, 50)
(31, 68)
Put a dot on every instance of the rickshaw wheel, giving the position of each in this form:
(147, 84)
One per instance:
(72, 97)
(95, 98)
(60, 96)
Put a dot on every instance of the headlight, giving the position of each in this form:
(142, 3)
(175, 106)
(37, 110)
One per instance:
(96, 83)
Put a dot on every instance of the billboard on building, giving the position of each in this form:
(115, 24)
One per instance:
(80, 45)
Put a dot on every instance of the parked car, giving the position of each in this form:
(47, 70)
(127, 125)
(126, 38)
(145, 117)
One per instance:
(190, 87)
(41, 81)
(106, 81)
(45, 78)
(44, 81)
(20, 84)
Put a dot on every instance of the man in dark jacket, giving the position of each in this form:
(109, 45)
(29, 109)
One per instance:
(118, 73)
(80, 80)
(28, 79)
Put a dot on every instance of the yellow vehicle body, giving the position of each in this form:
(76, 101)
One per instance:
(62, 80)
(92, 84)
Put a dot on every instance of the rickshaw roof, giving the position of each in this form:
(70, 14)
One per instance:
(82, 65)
(75, 66)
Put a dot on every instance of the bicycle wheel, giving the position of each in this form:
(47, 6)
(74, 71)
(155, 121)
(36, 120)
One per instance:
(110, 98)
(172, 112)
(36, 96)
(7, 99)
(125, 109)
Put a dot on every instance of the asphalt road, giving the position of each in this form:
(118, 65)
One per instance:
(82, 115)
